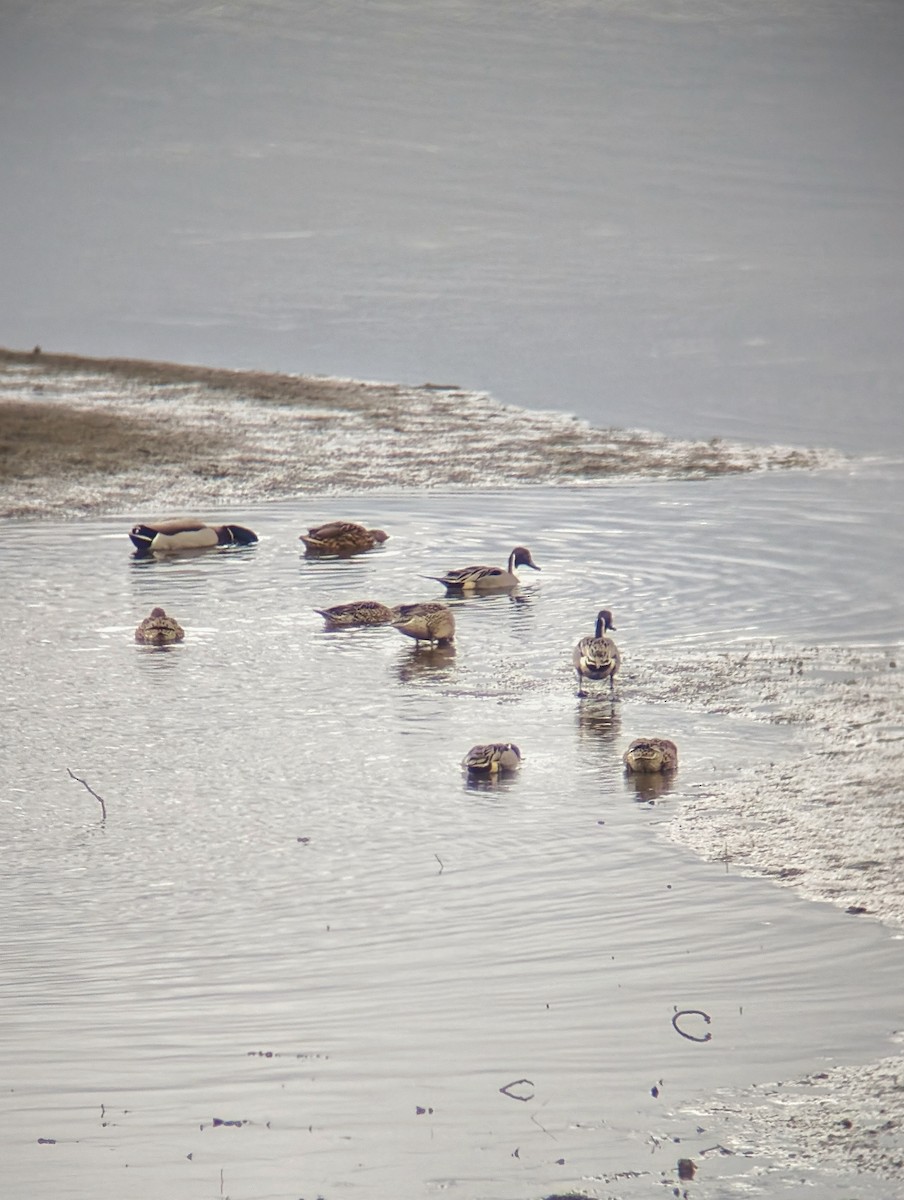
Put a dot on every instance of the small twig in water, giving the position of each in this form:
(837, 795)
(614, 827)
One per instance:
(99, 799)
(692, 1012)
(440, 861)
(533, 1117)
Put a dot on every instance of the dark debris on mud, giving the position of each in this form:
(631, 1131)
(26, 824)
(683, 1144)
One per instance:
(846, 1120)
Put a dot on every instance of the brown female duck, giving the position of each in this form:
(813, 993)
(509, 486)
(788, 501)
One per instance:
(358, 612)
(341, 537)
(430, 622)
(648, 756)
(492, 758)
(159, 630)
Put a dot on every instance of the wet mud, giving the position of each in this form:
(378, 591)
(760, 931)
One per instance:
(828, 823)
(846, 1122)
(81, 435)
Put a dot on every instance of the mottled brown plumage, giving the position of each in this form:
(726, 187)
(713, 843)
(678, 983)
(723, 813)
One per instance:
(428, 622)
(492, 758)
(341, 537)
(651, 756)
(358, 612)
(159, 630)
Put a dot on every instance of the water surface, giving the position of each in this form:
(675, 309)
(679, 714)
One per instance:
(688, 219)
(298, 914)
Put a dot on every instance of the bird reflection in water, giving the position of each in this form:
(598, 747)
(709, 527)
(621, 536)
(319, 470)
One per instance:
(512, 595)
(650, 787)
(423, 661)
(599, 719)
(494, 784)
(158, 661)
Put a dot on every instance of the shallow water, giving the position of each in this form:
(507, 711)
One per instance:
(298, 914)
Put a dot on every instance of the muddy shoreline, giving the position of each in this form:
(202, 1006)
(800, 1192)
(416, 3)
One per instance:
(84, 435)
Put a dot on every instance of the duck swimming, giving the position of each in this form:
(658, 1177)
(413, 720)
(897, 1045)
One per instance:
(341, 537)
(651, 755)
(597, 657)
(492, 758)
(358, 612)
(159, 630)
(187, 533)
(483, 579)
(430, 622)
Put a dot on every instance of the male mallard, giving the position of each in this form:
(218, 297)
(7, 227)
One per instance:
(341, 537)
(597, 657)
(651, 755)
(492, 758)
(430, 622)
(158, 629)
(359, 612)
(484, 579)
(187, 533)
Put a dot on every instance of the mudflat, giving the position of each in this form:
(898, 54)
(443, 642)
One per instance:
(82, 435)
(89, 435)
(47, 439)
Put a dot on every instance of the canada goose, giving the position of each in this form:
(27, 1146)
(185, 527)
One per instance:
(158, 629)
(480, 579)
(492, 758)
(187, 533)
(650, 755)
(597, 657)
(428, 622)
(358, 612)
(341, 537)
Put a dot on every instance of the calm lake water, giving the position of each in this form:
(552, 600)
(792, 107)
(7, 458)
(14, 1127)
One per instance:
(686, 217)
(299, 915)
